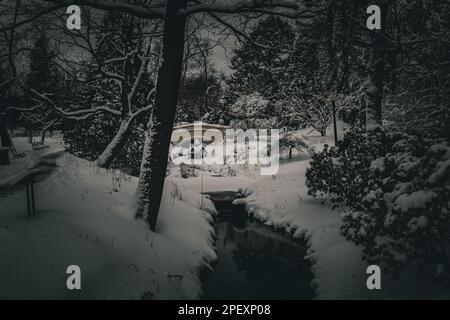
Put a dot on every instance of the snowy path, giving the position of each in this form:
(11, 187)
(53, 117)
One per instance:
(85, 218)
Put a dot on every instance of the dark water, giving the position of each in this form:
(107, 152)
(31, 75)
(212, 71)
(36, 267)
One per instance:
(255, 262)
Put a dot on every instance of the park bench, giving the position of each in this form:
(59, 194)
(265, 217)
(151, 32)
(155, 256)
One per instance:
(4, 155)
(36, 171)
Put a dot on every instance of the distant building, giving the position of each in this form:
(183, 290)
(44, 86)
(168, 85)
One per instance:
(179, 131)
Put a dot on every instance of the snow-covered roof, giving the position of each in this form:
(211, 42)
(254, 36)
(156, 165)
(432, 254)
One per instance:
(199, 123)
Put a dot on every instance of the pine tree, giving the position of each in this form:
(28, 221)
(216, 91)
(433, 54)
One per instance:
(44, 78)
(43, 75)
(260, 63)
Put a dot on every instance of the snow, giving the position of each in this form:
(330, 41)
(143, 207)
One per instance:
(297, 140)
(442, 172)
(418, 223)
(37, 165)
(339, 272)
(83, 219)
(186, 125)
(378, 164)
(120, 135)
(209, 183)
(416, 200)
(282, 202)
(372, 195)
(23, 147)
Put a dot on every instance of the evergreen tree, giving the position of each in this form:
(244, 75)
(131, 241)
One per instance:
(192, 106)
(43, 76)
(260, 63)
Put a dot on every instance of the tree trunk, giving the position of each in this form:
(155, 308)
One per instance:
(160, 124)
(4, 136)
(30, 132)
(205, 67)
(334, 123)
(345, 47)
(375, 78)
(110, 153)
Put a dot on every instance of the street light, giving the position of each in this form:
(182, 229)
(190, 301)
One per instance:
(206, 94)
(333, 105)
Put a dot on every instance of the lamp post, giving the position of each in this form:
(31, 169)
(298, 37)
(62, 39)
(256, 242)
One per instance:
(333, 105)
(206, 94)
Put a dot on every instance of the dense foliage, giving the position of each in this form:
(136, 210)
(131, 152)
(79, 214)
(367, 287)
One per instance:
(396, 188)
(88, 138)
(259, 65)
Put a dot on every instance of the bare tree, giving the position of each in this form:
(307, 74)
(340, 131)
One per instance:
(118, 66)
(8, 75)
(160, 124)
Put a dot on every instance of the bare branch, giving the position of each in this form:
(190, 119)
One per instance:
(139, 10)
(78, 114)
(288, 9)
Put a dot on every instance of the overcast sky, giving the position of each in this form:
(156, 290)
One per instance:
(221, 59)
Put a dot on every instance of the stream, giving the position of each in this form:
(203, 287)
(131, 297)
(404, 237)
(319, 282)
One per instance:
(254, 261)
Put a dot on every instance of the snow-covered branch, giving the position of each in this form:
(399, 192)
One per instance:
(107, 156)
(288, 9)
(32, 109)
(78, 114)
(144, 64)
(5, 83)
(140, 10)
(285, 8)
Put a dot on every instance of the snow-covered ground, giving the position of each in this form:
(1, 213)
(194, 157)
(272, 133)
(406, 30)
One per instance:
(282, 202)
(84, 218)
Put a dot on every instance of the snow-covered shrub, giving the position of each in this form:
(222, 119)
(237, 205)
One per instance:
(188, 171)
(295, 140)
(396, 187)
(343, 171)
(405, 213)
(252, 111)
(87, 139)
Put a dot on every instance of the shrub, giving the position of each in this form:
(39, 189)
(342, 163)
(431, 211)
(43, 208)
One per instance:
(188, 171)
(397, 189)
(87, 139)
(343, 171)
